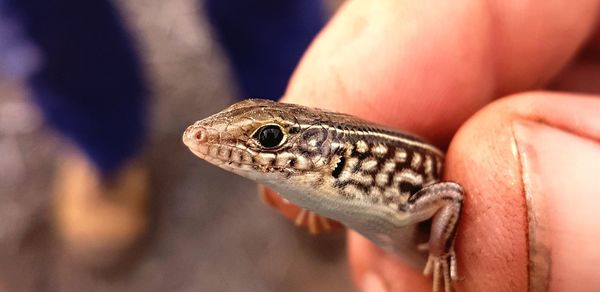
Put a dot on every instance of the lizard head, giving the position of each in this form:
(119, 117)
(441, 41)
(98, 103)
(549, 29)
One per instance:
(265, 140)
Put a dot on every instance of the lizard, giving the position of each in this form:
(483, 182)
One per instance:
(380, 182)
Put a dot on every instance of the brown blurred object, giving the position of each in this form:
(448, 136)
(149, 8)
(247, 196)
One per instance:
(99, 220)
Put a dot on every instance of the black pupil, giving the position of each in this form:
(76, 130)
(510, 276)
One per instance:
(270, 136)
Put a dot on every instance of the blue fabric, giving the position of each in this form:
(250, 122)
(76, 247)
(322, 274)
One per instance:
(89, 85)
(88, 80)
(264, 39)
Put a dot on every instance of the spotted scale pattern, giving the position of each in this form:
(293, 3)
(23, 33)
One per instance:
(386, 174)
(375, 180)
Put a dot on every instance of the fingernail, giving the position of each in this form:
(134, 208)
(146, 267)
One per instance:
(560, 179)
(372, 283)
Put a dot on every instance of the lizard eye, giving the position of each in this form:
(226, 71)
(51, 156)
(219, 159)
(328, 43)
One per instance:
(270, 136)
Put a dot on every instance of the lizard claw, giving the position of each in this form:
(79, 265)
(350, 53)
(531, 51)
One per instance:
(444, 271)
(314, 223)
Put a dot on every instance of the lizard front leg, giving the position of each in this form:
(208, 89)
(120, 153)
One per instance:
(313, 222)
(442, 202)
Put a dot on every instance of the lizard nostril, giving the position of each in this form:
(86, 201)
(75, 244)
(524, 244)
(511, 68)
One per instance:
(200, 134)
(193, 135)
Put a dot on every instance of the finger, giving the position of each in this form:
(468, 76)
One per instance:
(552, 153)
(530, 166)
(426, 66)
(371, 267)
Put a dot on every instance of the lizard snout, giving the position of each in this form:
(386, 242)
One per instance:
(194, 135)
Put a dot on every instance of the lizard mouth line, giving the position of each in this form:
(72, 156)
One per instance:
(232, 164)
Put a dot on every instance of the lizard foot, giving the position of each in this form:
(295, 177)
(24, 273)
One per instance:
(444, 271)
(314, 223)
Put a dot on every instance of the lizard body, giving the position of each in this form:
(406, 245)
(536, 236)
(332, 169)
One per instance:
(380, 182)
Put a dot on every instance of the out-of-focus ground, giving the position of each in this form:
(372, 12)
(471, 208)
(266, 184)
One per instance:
(210, 231)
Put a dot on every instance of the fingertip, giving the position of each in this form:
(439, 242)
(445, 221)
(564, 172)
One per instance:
(523, 161)
(372, 282)
(491, 242)
(424, 70)
(372, 266)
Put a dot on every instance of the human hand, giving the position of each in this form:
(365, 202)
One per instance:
(529, 163)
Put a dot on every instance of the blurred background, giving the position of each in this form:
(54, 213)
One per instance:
(207, 229)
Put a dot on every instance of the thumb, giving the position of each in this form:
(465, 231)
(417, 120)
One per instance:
(530, 165)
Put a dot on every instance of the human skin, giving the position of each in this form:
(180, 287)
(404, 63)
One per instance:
(466, 75)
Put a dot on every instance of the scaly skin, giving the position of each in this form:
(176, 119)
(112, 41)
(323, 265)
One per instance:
(377, 181)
